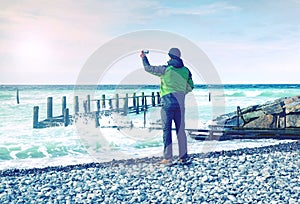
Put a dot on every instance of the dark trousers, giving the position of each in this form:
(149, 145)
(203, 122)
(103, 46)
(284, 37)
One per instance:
(173, 110)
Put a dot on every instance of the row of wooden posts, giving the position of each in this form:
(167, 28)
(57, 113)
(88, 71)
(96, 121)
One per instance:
(101, 104)
(116, 107)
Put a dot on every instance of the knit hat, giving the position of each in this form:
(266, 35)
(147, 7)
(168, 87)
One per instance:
(174, 52)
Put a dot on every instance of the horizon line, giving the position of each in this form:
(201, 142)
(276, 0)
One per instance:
(69, 84)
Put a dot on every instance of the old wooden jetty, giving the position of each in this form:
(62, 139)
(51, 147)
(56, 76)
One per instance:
(139, 104)
(229, 132)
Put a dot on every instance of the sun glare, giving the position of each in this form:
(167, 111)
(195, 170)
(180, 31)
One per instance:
(32, 50)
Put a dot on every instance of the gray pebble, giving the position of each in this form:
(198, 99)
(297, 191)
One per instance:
(231, 198)
(229, 177)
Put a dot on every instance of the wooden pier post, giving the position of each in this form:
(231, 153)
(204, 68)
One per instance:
(238, 116)
(110, 103)
(85, 106)
(277, 120)
(209, 96)
(158, 98)
(145, 112)
(49, 107)
(143, 100)
(35, 117)
(18, 99)
(117, 103)
(284, 117)
(126, 105)
(88, 103)
(97, 124)
(134, 100)
(76, 104)
(98, 106)
(63, 104)
(153, 99)
(145, 103)
(137, 108)
(66, 117)
(103, 101)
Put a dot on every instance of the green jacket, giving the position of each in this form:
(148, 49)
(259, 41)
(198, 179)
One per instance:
(174, 78)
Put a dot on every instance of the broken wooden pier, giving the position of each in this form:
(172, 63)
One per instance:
(140, 104)
(122, 105)
(230, 132)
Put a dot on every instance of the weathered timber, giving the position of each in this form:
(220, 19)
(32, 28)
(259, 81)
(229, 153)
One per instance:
(143, 100)
(153, 99)
(17, 97)
(88, 103)
(158, 98)
(49, 107)
(103, 101)
(76, 104)
(134, 100)
(145, 111)
(97, 124)
(98, 106)
(35, 116)
(66, 119)
(137, 107)
(63, 104)
(244, 133)
(117, 103)
(125, 105)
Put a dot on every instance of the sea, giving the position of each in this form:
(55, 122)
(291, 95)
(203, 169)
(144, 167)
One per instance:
(119, 136)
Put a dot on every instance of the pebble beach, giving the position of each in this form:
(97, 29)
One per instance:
(252, 175)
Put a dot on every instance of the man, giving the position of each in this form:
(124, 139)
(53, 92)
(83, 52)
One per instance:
(176, 82)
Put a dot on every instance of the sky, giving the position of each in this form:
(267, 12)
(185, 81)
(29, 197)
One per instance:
(248, 42)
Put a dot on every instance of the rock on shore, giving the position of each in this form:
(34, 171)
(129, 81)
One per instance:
(283, 112)
(252, 175)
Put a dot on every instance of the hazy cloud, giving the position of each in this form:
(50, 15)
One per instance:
(197, 9)
(63, 34)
